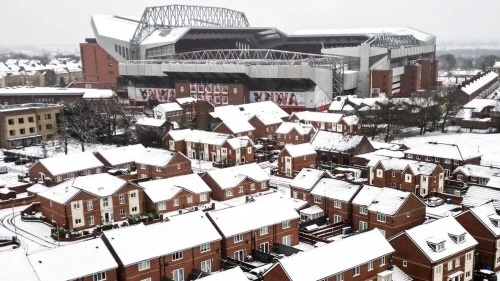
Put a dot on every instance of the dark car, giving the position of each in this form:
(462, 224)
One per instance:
(21, 161)
(8, 159)
(484, 274)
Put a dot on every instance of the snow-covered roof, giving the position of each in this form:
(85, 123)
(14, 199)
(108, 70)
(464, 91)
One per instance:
(400, 164)
(335, 142)
(36, 188)
(473, 86)
(167, 107)
(322, 264)
(181, 232)
(313, 116)
(380, 154)
(369, 32)
(156, 157)
(437, 231)
(178, 135)
(232, 176)
(233, 118)
(307, 178)
(302, 129)
(282, 197)
(165, 36)
(494, 181)
(268, 119)
(442, 150)
(122, 155)
(385, 145)
(119, 28)
(298, 150)
(478, 171)
(335, 189)
(74, 261)
(98, 94)
(399, 275)
(265, 107)
(198, 136)
(182, 101)
(351, 120)
(478, 195)
(239, 142)
(485, 213)
(101, 185)
(314, 209)
(381, 200)
(151, 122)
(477, 105)
(233, 274)
(251, 216)
(70, 163)
(16, 266)
(165, 189)
(60, 193)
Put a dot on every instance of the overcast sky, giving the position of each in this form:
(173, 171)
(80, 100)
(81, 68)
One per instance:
(54, 22)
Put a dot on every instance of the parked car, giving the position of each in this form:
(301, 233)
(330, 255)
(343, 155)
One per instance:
(118, 172)
(3, 170)
(21, 161)
(434, 201)
(8, 159)
(484, 274)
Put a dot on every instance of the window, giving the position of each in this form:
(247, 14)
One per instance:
(134, 209)
(287, 240)
(437, 159)
(240, 189)
(382, 261)
(393, 174)
(417, 157)
(447, 161)
(252, 186)
(238, 255)
(90, 206)
(405, 263)
(337, 219)
(205, 247)
(379, 173)
(249, 150)
(121, 199)
(104, 202)
(178, 274)
(457, 262)
(91, 220)
(78, 221)
(122, 214)
(206, 266)
(101, 276)
(176, 202)
(47, 116)
(304, 196)
(32, 130)
(285, 224)
(438, 270)
(20, 120)
(143, 265)
(337, 204)
(409, 156)
(177, 256)
(467, 274)
(76, 205)
(48, 126)
(408, 178)
(363, 210)
(143, 176)
(381, 217)
(162, 206)
(468, 257)
(294, 194)
(12, 132)
(424, 178)
(143, 166)
(238, 238)
(158, 168)
(229, 193)
(459, 177)
(428, 158)
(59, 178)
(393, 185)
(203, 197)
(11, 121)
(317, 199)
(70, 175)
(147, 279)
(190, 199)
(158, 178)
(98, 170)
(363, 225)
(370, 265)
(22, 131)
(473, 178)
(339, 277)
(263, 185)
(457, 162)
(264, 230)
(355, 271)
(498, 260)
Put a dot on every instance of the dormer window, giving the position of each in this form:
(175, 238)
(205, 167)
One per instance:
(458, 238)
(437, 245)
(495, 220)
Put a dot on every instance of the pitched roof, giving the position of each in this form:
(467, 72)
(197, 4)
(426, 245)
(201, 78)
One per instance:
(198, 136)
(233, 274)
(156, 157)
(382, 200)
(60, 193)
(478, 171)
(484, 213)
(239, 142)
(442, 150)
(65, 164)
(268, 119)
(165, 189)
(232, 176)
(307, 178)
(250, 216)
(385, 145)
(73, 261)
(150, 122)
(101, 185)
(178, 135)
(298, 150)
(16, 266)
(180, 233)
(123, 154)
(318, 116)
(167, 107)
(322, 264)
(335, 142)
(233, 118)
(302, 129)
(478, 195)
(185, 100)
(437, 231)
(335, 189)
(351, 120)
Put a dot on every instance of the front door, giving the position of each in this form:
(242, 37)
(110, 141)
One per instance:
(264, 247)
(238, 255)
(193, 155)
(107, 218)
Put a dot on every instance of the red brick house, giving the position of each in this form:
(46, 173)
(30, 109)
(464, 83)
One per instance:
(71, 262)
(438, 250)
(255, 226)
(265, 125)
(175, 193)
(483, 223)
(293, 158)
(371, 263)
(121, 157)
(319, 120)
(188, 106)
(238, 127)
(236, 151)
(170, 111)
(420, 178)
(478, 195)
(175, 140)
(294, 133)
(336, 148)
(88, 201)
(169, 250)
(349, 124)
(475, 174)
(334, 197)
(204, 145)
(304, 182)
(65, 167)
(160, 164)
(449, 156)
(237, 181)
(387, 209)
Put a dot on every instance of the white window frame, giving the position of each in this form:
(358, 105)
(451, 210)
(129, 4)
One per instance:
(363, 210)
(121, 199)
(405, 263)
(285, 224)
(158, 168)
(143, 265)
(206, 266)
(203, 197)
(76, 205)
(337, 204)
(162, 206)
(468, 257)
(78, 221)
(450, 265)
(457, 262)
(90, 205)
(382, 261)
(339, 277)
(381, 217)
(178, 274)
(263, 184)
(100, 276)
(317, 199)
(91, 220)
(380, 173)
(370, 265)
(105, 202)
(177, 256)
(229, 192)
(356, 271)
(408, 178)
(143, 166)
(238, 238)
(264, 230)
(252, 186)
(176, 202)
(190, 199)
(438, 270)
(204, 247)
(241, 189)
(123, 214)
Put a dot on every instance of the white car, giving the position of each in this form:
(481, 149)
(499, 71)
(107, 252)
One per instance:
(434, 201)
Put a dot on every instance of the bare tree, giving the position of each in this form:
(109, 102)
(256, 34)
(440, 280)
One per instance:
(62, 136)
(449, 103)
(424, 110)
(83, 122)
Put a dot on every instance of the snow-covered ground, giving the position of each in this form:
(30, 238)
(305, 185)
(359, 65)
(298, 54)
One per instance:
(54, 149)
(485, 144)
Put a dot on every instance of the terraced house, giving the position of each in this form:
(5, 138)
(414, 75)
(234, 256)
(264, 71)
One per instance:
(160, 164)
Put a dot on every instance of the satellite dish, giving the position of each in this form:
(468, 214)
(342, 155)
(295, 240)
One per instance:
(158, 114)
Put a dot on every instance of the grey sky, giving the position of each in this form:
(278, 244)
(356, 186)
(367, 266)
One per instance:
(51, 22)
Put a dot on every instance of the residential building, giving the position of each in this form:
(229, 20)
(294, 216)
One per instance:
(475, 174)
(334, 197)
(175, 193)
(371, 263)
(188, 106)
(237, 181)
(388, 145)
(478, 195)
(478, 114)
(483, 223)
(479, 85)
(160, 164)
(294, 133)
(202, 144)
(122, 157)
(319, 120)
(28, 124)
(304, 182)
(265, 125)
(170, 111)
(232, 122)
(256, 225)
(175, 140)
(449, 156)
(59, 168)
(387, 209)
(438, 250)
(87, 201)
(371, 158)
(150, 126)
(350, 125)
(170, 250)
(336, 148)
(88, 260)
(236, 151)
(293, 158)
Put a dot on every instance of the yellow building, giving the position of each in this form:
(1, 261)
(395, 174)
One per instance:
(28, 124)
